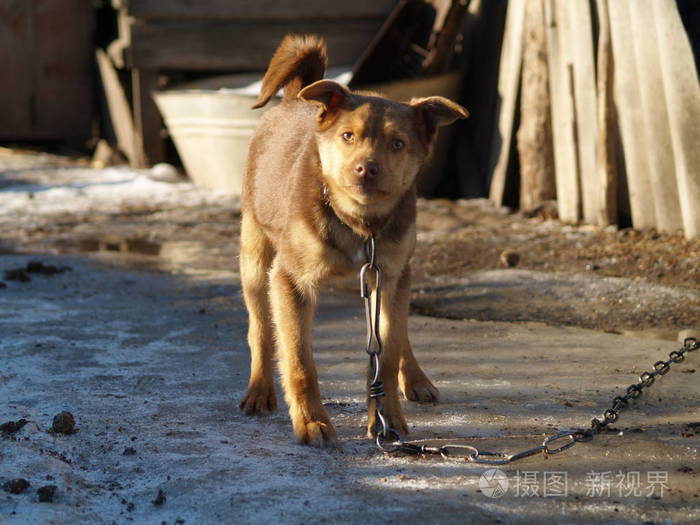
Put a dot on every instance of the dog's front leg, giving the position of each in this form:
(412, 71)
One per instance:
(393, 332)
(293, 311)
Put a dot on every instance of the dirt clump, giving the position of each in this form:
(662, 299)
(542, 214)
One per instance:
(41, 268)
(160, 498)
(17, 274)
(63, 423)
(10, 427)
(34, 267)
(510, 259)
(46, 493)
(16, 486)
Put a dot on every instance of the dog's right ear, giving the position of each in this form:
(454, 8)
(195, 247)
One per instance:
(327, 94)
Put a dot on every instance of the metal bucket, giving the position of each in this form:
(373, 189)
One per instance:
(211, 124)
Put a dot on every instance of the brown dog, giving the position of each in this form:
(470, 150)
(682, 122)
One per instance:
(327, 168)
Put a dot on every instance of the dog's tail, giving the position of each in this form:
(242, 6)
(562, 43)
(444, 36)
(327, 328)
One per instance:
(298, 62)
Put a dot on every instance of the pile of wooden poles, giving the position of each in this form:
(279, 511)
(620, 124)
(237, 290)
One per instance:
(600, 107)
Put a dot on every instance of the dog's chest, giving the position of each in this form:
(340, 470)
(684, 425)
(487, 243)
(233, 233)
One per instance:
(359, 257)
(352, 250)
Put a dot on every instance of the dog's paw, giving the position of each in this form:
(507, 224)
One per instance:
(421, 392)
(316, 433)
(259, 399)
(416, 386)
(392, 413)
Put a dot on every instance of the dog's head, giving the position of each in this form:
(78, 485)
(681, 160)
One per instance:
(372, 148)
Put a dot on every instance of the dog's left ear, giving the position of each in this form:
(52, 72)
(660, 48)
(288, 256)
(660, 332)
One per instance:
(329, 95)
(437, 111)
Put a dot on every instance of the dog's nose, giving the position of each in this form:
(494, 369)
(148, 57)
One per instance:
(367, 170)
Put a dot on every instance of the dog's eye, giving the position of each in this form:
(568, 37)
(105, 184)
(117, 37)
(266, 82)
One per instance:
(397, 144)
(348, 136)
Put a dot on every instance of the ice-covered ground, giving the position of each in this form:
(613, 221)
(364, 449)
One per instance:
(46, 190)
(152, 366)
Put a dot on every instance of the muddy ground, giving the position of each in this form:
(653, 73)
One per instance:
(472, 261)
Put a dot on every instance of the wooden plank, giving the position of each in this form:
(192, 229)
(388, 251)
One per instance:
(256, 10)
(628, 102)
(237, 46)
(147, 121)
(535, 133)
(17, 89)
(563, 118)
(118, 107)
(607, 166)
(654, 116)
(447, 29)
(682, 94)
(63, 62)
(508, 86)
(117, 49)
(46, 89)
(581, 57)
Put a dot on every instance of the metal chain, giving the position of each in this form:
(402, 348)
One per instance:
(389, 439)
(375, 386)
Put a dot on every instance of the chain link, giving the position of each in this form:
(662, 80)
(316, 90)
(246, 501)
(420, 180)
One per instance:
(375, 386)
(389, 439)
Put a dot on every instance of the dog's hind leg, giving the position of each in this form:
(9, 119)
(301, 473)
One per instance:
(256, 258)
(413, 382)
